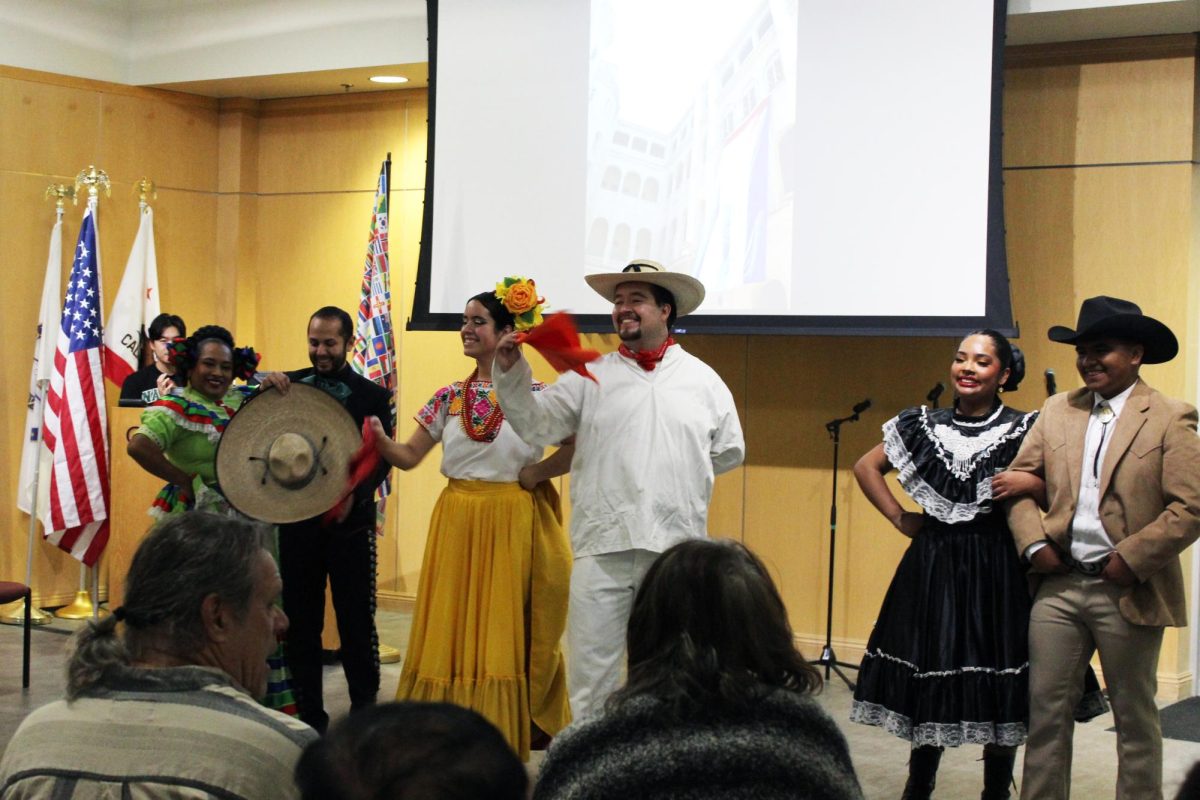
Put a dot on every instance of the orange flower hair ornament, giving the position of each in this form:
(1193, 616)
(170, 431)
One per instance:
(519, 295)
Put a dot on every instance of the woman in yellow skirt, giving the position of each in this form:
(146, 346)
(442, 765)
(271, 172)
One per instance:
(492, 601)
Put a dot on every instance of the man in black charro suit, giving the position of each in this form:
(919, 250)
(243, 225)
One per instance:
(343, 551)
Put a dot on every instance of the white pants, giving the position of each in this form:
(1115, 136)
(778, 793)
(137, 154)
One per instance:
(602, 591)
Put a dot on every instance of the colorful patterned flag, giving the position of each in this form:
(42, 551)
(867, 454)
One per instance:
(76, 428)
(135, 307)
(374, 346)
(44, 346)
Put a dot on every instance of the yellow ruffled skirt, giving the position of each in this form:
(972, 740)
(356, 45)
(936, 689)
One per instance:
(492, 607)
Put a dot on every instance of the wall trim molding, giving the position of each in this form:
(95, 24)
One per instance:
(1133, 48)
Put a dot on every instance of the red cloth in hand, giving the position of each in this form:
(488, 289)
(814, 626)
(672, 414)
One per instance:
(557, 339)
(647, 359)
(362, 464)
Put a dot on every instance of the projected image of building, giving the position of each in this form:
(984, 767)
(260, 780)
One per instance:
(693, 178)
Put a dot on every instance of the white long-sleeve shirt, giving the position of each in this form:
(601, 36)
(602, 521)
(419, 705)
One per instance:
(647, 445)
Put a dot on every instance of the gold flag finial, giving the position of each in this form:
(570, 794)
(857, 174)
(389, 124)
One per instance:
(60, 192)
(93, 178)
(145, 188)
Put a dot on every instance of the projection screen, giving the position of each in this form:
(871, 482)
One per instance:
(821, 167)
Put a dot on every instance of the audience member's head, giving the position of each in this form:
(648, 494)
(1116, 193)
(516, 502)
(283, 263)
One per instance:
(201, 590)
(394, 751)
(1190, 788)
(709, 631)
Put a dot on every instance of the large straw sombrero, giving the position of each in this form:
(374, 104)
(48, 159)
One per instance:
(689, 292)
(284, 458)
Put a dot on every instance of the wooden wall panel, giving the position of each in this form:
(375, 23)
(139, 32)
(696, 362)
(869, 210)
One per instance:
(311, 249)
(798, 384)
(167, 137)
(1041, 107)
(1098, 108)
(411, 159)
(330, 144)
(48, 130)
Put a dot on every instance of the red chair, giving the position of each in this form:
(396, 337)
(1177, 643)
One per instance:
(11, 591)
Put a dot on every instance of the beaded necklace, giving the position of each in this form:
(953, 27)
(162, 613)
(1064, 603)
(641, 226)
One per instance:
(486, 430)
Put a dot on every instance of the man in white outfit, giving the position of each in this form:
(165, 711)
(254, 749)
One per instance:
(651, 433)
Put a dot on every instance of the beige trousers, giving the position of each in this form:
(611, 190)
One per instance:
(1074, 616)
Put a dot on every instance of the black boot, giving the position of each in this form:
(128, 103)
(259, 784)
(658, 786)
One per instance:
(922, 773)
(997, 771)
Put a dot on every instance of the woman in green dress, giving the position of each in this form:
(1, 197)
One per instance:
(177, 441)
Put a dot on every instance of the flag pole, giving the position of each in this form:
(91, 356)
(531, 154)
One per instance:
(81, 607)
(374, 344)
(387, 653)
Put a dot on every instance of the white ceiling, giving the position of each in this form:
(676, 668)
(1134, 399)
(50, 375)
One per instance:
(285, 48)
(247, 48)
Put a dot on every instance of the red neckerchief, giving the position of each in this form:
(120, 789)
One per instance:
(647, 359)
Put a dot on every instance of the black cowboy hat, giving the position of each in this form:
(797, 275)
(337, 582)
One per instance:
(1109, 316)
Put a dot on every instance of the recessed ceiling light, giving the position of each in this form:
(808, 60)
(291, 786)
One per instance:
(389, 79)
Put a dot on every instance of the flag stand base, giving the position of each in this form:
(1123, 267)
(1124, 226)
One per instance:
(388, 654)
(81, 608)
(14, 614)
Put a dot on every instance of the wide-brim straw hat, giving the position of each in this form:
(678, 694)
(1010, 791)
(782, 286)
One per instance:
(1110, 316)
(285, 458)
(689, 292)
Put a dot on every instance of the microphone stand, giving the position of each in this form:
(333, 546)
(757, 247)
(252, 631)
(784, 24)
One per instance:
(828, 658)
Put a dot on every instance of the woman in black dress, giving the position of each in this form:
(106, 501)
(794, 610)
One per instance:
(947, 661)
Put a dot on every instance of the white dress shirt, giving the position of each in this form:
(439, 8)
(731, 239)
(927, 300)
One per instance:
(1089, 540)
(648, 445)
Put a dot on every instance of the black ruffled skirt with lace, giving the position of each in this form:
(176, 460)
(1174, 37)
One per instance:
(948, 662)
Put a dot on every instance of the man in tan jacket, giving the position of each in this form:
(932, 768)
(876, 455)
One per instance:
(1122, 469)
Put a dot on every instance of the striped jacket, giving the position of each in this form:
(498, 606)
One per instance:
(177, 732)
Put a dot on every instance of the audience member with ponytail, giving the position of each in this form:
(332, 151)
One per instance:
(161, 695)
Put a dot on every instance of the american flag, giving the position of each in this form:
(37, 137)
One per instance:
(76, 428)
(374, 346)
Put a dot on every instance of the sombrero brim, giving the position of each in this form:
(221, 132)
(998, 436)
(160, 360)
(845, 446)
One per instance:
(689, 292)
(242, 473)
(1157, 340)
